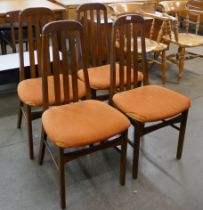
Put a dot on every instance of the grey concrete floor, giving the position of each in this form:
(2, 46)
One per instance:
(92, 181)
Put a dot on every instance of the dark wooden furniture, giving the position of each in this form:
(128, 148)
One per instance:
(81, 123)
(149, 103)
(30, 90)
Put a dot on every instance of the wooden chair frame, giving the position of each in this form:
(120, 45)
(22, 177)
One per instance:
(34, 18)
(136, 24)
(177, 9)
(73, 32)
(94, 18)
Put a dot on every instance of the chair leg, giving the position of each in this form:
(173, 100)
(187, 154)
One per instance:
(19, 119)
(181, 56)
(138, 127)
(163, 66)
(181, 135)
(123, 158)
(94, 93)
(42, 146)
(29, 129)
(62, 179)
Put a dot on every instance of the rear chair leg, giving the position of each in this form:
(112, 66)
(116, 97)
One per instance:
(123, 157)
(138, 127)
(181, 135)
(19, 120)
(29, 129)
(42, 146)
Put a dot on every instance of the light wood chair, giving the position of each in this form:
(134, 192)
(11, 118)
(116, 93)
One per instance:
(146, 104)
(182, 40)
(30, 85)
(94, 18)
(75, 124)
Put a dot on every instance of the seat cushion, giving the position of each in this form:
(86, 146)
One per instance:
(151, 103)
(99, 77)
(185, 39)
(30, 91)
(83, 123)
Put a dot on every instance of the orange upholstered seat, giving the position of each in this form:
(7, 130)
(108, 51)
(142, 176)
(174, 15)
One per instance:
(99, 77)
(81, 123)
(30, 91)
(151, 103)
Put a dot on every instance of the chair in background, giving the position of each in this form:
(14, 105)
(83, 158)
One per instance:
(155, 23)
(30, 90)
(74, 123)
(182, 40)
(9, 32)
(149, 103)
(94, 18)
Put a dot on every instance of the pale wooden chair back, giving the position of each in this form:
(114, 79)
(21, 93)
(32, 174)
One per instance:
(34, 19)
(179, 9)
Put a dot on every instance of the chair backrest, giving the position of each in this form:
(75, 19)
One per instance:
(67, 41)
(179, 9)
(94, 18)
(128, 51)
(34, 19)
(173, 6)
(12, 21)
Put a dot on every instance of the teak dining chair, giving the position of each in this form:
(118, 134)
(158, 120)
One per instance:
(183, 40)
(75, 124)
(94, 18)
(149, 103)
(30, 90)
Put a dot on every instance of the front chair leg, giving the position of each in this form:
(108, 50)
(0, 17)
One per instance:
(181, 57)
(62, 178)
(42, 146)
(181, 135)
(163, 66)
(138, 128)
(29, 130)
(123, 157)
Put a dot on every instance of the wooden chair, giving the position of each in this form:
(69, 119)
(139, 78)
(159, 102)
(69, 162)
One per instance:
(149, 103)
(182, 40)
(30, 90)
(73, 123)
(94, 18)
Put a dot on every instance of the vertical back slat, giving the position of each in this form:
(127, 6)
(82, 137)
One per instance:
(121, 38)
(65, 68)
(31, 48)
(129, 41)
(135, 56)
(56, 70)
(74, 68)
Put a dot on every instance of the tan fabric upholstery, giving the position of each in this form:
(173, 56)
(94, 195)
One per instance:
(83, 123)
(99, 77)
(151, 103)
(30, 91)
